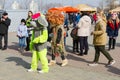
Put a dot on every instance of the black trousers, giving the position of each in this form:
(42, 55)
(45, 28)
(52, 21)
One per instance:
(99, 49)
(5, 36)
(28, 39)
(112, 43)
(75, 45)
(83, 44)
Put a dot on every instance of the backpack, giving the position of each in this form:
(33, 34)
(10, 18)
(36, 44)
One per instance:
(74, 33)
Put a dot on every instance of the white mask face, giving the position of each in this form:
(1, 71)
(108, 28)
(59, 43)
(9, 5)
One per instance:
(33, 23)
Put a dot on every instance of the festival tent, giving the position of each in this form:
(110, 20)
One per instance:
(115, 10)
(84, 7)
(56, 9)
(67, 9)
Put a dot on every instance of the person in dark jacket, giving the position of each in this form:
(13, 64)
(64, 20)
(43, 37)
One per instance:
(75, 39)
(4, 25)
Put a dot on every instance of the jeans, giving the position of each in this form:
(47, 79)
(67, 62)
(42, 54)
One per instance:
(22, 42)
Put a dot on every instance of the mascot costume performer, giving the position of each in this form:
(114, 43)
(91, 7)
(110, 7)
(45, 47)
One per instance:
(56, 20)
(38, 43)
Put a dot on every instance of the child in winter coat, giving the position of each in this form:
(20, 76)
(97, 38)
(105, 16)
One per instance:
(22, 34)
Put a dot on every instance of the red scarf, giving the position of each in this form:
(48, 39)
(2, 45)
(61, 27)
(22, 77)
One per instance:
(112, 26)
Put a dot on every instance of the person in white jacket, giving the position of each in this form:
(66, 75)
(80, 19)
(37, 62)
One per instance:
(84, 25)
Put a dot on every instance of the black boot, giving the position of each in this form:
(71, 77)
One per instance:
(86, 52)
(73, 50)
(81, 53)
(110, 41)
(114, 42)
(77, 51)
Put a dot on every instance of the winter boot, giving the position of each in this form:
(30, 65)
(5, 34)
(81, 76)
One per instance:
(64, 62)
(114, 42)
(110, 41)
(51, 63)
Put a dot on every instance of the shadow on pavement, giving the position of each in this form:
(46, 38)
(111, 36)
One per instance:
(114, 70)
(70, 56)
(27, 54)
(73, 56)
(14, 46)
(19, 62)
(70, 48)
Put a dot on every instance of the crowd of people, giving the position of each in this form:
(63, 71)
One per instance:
(53, 27)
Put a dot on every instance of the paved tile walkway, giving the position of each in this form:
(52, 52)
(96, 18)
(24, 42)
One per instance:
(14, 65)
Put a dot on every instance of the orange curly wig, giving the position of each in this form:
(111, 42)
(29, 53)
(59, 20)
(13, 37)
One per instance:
(55, 17)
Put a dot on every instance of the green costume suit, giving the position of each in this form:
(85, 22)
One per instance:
(39, 54)
(39, 47)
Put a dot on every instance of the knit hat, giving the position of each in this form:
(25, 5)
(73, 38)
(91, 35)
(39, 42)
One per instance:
(41, 19)
(35, 16)
(5, 13)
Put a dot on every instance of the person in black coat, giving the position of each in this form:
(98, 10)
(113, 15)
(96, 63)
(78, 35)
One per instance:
(4, 25)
